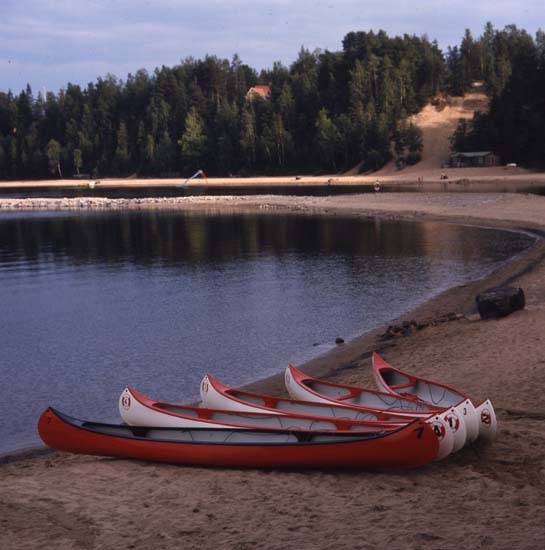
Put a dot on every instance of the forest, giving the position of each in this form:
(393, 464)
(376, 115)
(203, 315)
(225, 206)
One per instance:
(327, 112)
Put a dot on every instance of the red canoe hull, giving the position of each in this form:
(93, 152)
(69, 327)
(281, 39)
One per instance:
(411, 446)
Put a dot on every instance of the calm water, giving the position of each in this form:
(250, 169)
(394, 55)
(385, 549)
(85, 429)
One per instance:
(92, 302)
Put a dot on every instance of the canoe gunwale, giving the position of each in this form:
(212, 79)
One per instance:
(302, 436)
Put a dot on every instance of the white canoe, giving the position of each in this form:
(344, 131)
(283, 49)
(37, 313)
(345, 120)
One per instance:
(304, 387)
(480, 420)
(137, 409)
(216, 395)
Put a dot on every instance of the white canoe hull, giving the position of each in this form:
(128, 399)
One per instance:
(451, 417)
(138, 410)
(213, 396)
(480, 421)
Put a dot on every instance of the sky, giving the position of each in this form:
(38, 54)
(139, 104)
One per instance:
(50, 43)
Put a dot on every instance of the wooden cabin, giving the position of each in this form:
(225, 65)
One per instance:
(474, 159)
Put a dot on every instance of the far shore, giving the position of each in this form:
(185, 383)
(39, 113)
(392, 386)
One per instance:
(467, 500)
(445, 177)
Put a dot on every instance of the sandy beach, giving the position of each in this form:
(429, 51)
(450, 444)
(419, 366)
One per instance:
(485, 496)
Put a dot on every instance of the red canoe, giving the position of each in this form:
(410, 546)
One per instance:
(410, 446)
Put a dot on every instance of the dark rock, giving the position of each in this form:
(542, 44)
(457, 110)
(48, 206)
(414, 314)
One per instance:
(339, 340)
(500, 301)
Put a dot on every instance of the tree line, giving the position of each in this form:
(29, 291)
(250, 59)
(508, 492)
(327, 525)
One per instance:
(326, 112)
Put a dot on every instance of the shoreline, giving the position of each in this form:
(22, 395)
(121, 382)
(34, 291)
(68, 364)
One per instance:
(437, 309)
(468, 499)
(408, 176)
(450, 304)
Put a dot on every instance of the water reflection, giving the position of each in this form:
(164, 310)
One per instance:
(174, 238)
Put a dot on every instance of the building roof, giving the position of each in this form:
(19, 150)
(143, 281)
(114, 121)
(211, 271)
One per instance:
(261, 90)
(472, 154)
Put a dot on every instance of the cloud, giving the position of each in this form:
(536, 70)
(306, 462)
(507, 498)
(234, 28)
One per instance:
(52, 42)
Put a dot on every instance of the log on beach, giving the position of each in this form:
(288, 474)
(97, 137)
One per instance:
(500, 301)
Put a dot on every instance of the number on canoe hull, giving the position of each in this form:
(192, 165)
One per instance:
(486, 417)
(453, 421)
(439, 430)
(126, 401)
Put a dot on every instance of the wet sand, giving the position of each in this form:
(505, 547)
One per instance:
(485, 496)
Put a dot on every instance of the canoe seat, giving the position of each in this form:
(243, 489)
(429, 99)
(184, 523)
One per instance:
(270, 402)
(349, 395)
(401, 386)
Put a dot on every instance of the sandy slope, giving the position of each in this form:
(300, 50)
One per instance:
(438, 123)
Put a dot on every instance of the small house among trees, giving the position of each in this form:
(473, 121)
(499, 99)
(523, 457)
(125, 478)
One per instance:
(262, 91)
(476, 159)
